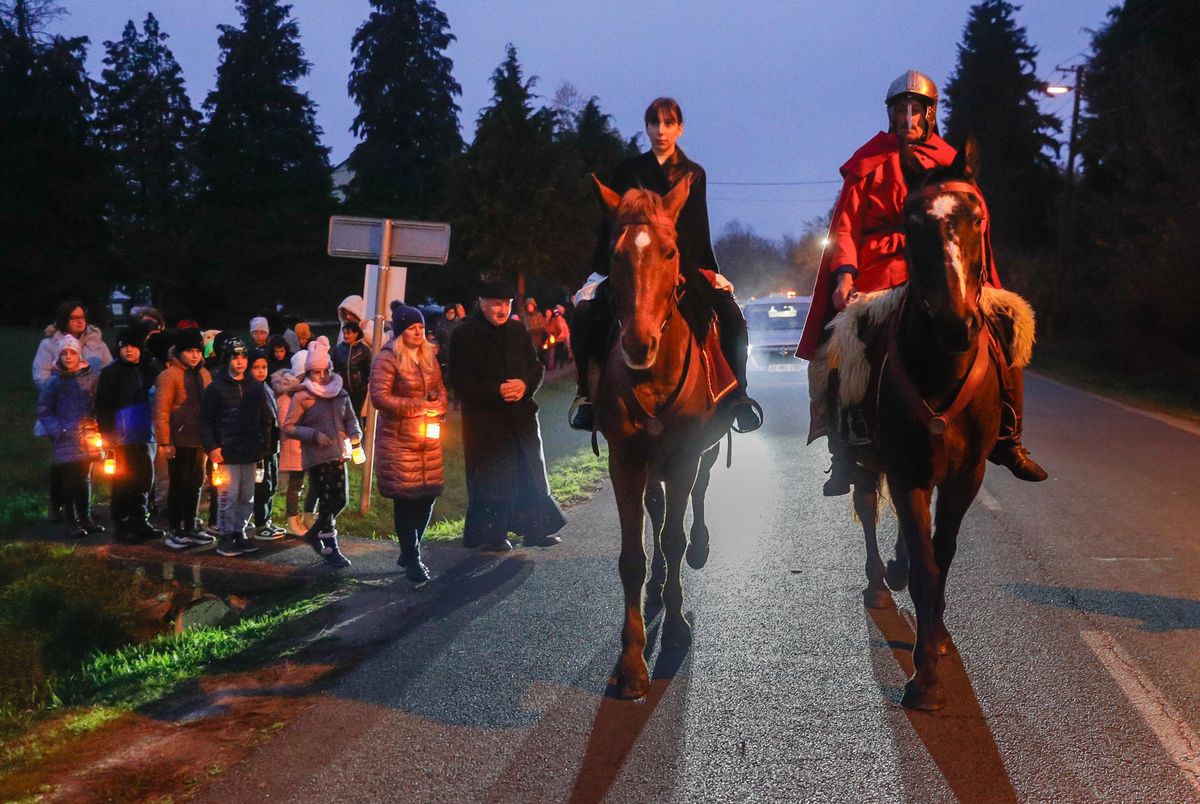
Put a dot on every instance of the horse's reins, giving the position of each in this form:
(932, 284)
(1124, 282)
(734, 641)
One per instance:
(938, 422)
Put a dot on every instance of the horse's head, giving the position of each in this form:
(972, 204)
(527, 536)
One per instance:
(945, 222)
(644, 268)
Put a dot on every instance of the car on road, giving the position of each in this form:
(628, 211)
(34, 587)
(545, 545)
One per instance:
(775, 324)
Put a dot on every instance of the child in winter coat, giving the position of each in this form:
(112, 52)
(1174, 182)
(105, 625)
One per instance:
(285, 383)
(67, 414)
(321, 418)
(352, 362)
(126, 419)
(264, 490)
(235, 426)
(178, 393)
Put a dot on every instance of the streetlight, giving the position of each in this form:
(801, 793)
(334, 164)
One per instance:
(1062, 89)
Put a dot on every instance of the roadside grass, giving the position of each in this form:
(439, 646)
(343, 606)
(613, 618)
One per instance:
(139, 674)
(24, 458)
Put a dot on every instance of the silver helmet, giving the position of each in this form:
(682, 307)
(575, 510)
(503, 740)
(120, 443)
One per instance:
(917, 85)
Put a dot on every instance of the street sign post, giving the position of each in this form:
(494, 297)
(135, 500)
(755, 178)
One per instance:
(385, 240)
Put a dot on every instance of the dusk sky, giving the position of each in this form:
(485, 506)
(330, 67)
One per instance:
(772, 90)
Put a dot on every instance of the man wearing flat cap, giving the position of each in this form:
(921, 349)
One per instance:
(495, 371)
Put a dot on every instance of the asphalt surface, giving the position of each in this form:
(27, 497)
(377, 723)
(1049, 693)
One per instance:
(1073, 605)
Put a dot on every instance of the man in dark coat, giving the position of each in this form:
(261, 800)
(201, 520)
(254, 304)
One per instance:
(495, 372)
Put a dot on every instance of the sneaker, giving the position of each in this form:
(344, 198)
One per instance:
(245, 544)
(76, 529)
(227, 547)
(213, 530)
(178, 540)
(200, 536)
(91, 526)
(269, 533)
(417, 572)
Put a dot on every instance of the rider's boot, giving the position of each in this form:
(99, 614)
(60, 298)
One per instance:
(747, 413)
(586, 324)
(841, 466)
(1009, 451)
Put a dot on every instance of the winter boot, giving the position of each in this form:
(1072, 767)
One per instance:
(295, 525)
(735, 343)
(1009, 452)
(327, 542)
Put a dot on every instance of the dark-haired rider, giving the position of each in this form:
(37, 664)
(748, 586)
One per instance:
(866, 253)
(659, 169)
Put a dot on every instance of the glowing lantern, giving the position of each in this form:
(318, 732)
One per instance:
(110, 465)
(433, 429)
(219, 475)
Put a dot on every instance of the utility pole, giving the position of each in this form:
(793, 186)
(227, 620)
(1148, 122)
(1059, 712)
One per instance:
(1068, 200)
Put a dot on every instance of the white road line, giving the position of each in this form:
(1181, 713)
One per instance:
(987, 500)
(1165, 418)
(1176, 736)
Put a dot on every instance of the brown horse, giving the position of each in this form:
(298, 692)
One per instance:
(938, 408)
(654, 409)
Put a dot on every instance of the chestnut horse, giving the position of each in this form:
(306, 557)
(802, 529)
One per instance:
(938, 409)
(654, 409)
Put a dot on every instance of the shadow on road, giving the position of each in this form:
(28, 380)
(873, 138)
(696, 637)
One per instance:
(957, 738)
(618, 725)
(1156, 612)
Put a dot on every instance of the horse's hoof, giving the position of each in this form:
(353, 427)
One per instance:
(875, 598)
(632, 686)
(923, 699)
(896, 576)
(697, 553)
(676, 635)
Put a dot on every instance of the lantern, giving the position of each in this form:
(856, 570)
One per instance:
(110, 465)
(219, 475)
(433, 429)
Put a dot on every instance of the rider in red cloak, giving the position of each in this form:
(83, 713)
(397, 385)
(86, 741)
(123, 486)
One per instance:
(866, 253)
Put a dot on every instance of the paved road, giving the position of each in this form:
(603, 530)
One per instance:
(1073, 604)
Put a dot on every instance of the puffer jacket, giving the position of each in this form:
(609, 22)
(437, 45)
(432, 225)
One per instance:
(123, 404)
(92, 349)
(65, 409)
(310, 414)
(407, 464)
(353, 365)
(286, 384)
(237, 416)
(177, 395)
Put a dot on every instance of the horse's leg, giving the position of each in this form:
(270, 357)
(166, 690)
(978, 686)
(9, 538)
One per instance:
(866, 505)
(924, 583)
(954, 498)
(896, 574)
(656, 502)
(697, 550)
(680, 477)
(628, 473)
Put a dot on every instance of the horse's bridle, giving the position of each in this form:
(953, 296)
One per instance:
(619, 228)
(954, 186)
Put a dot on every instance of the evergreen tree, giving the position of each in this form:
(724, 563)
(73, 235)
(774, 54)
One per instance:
(145, 122)
(517, 193)
(407, 118)
(1138, 202)
(52, 234)
(993, 94)
(596, 140)
(265, 187)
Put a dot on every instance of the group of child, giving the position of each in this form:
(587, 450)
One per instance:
(232, 420)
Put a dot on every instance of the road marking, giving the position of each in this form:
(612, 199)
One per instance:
(987, 500)
(1176, 736)
(1165, 418)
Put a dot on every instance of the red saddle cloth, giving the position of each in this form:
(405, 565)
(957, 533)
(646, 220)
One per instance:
(720, 377)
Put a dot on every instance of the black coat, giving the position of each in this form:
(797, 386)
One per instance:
(238, 416)
(353, 365)
(692, 234)
(507, 488)
(123, 409)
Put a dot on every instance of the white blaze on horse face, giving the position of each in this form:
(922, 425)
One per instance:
(954, 259)
(943, 206)
(642, 240)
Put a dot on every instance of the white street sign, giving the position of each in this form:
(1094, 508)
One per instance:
(412, 241)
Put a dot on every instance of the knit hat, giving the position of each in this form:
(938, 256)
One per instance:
(496, 289)
(259, 324)
(404, 317)
(302, 330)
(299, 362)
(233, 346)
(318, 355)
(132, 335)
(189, 339)
(68, 342)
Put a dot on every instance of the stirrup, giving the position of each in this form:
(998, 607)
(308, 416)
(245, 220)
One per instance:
(754, 407)
(581, 415)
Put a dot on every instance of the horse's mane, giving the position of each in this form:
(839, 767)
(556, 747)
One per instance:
(640, 205)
